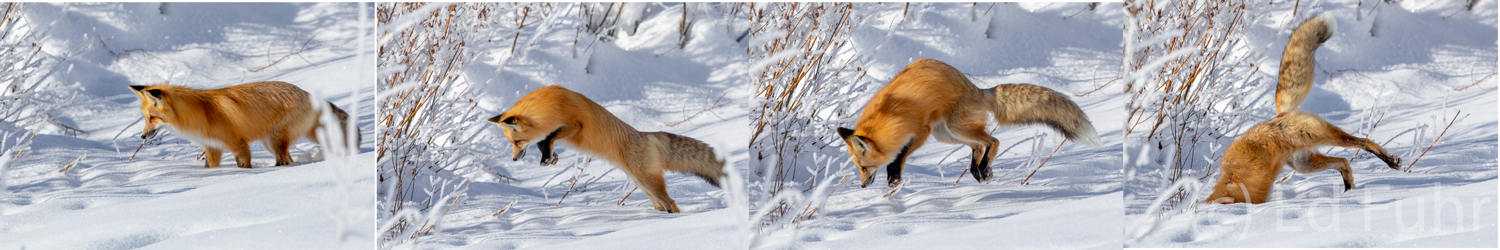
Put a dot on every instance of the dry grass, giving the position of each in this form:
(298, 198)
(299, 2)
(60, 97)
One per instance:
(1187, 91)
(422, 93)
(801, 84)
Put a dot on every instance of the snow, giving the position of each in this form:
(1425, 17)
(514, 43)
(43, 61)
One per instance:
(161, 197)
(1406, 76)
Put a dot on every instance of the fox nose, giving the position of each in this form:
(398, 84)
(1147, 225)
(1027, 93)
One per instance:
(148, 134)
(867, 181)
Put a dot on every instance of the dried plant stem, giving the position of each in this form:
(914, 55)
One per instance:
(1372, 128)
(502, 210)
(575, 181)
(627, 196)
(1044, 161)
(1475, 82)
(1434, 142)
(137, 150)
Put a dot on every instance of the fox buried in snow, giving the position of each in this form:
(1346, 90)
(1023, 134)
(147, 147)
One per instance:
(1252, 162)
(929, 97)
(553, 113)
(276, 113)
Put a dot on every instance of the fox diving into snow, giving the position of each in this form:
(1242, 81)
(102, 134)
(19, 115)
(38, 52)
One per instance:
(1252, 162)
(276, 113)
(552, 113)
(930, 98)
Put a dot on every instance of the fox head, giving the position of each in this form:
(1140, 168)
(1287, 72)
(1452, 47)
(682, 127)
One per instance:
(866, 155)
(521, 131)
(154, 108)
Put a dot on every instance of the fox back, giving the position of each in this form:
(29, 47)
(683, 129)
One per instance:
(246, 112)
(549, 109)
(925, 91)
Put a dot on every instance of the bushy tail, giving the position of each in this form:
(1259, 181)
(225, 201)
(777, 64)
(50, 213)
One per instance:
(344, 122)
(1017, 104)
(688, 155)
(1296, 76)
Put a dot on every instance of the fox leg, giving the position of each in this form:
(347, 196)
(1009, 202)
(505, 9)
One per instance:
(655, 188)
(893, 170)
(281, 148)
(1332, 135)
(982, 145)
(549, 157)
(241, 151)
(1309, 161)
(213, 156)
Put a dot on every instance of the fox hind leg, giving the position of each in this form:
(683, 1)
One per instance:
(648, 176)
(212, 157)
(655, 187)
(281, 148)
(241, 151)
(1336, 137)
(980, 143)
(1309, 161)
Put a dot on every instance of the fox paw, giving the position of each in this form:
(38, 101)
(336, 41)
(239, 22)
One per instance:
(549, 160)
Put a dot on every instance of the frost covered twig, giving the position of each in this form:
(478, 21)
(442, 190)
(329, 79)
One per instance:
(1434, 142)
(1044, 162)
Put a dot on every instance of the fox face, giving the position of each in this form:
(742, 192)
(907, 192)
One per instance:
(865, 155)
(516, 128)
(154, 110)
(523, 133)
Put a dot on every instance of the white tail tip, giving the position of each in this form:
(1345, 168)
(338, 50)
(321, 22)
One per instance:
(1329, 21)
(1088, 137)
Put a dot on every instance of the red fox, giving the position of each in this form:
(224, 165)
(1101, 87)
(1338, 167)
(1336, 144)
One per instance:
(553, 113)
(929, 97)
(276, 113)
(1252, 161)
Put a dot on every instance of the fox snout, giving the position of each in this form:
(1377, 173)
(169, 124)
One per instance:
(865, 178)
(517, 153)
(148, 134)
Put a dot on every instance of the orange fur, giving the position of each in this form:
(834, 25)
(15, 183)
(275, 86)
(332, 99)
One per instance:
(931, 98)
(554, 113)
(1250, 165)
(277, 113)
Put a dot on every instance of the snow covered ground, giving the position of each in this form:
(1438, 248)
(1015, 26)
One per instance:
(161, 197)
(1426, 62)
(1072, 202)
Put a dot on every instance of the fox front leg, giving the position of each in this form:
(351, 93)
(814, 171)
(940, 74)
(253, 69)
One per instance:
(893, 171)
(548, 157)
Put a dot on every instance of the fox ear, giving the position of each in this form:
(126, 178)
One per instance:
(155, 95)
(512, 122)
(151, 95)
(845, 133)
(860, 143)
